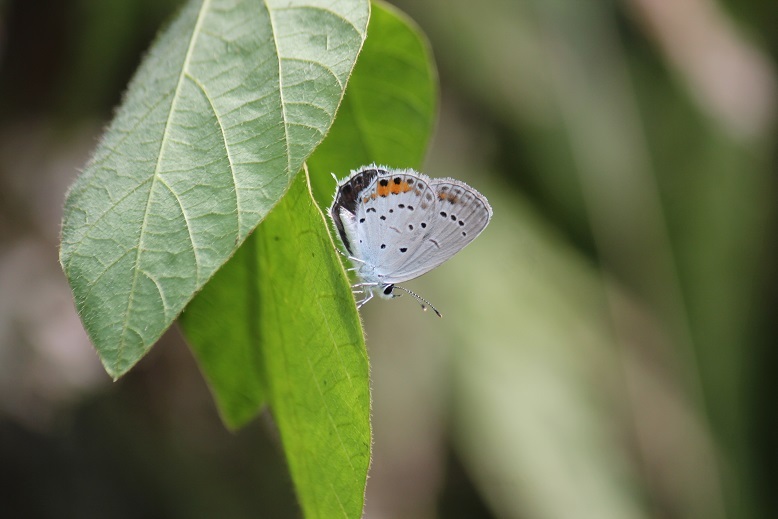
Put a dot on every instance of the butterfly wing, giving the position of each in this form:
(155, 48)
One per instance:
(407, 224)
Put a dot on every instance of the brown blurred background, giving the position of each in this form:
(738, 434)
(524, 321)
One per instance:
(608, 344)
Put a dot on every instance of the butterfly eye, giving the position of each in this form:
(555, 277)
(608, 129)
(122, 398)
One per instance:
(388, 290)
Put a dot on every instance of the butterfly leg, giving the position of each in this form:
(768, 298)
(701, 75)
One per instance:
(365, 289)
(352, 258)
(368, 296)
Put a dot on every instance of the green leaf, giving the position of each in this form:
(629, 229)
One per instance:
(221, 325)
(230, 101)
(316, 367)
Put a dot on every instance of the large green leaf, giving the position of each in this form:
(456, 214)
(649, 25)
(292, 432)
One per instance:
(316, 367)
(224, 110)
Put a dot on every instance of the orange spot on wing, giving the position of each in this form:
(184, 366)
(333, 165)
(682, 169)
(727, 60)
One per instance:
(402, 187)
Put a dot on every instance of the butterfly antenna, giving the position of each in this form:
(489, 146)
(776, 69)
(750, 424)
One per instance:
(423, 302)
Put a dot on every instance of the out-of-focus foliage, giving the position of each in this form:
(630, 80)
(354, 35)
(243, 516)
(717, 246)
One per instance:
(614, 121)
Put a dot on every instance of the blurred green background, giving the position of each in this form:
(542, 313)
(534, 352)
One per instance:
(607, 346)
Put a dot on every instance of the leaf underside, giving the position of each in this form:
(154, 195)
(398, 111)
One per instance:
(225, 108)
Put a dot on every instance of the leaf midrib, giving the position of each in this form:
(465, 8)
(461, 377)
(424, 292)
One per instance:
(176, 95)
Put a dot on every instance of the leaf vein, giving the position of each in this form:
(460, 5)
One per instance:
(189, 230)
(176, 95)
(281, 92)
(103, 215)
(323, 9)
(321, 65)
(230, 159)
